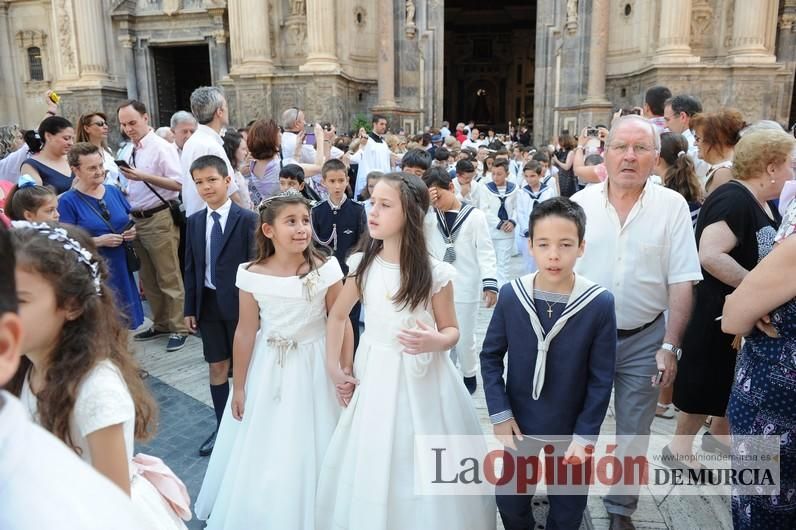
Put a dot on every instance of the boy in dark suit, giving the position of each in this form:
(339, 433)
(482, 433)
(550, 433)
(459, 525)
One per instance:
(561, 328)
(339, 222)
(218, 239)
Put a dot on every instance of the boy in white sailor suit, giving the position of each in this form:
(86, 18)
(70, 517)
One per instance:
(465, 186)
(532, 193)
(498, 200)
(561, 328)
(458, 234)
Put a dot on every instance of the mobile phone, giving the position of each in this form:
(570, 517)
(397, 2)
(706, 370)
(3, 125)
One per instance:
(123, 163)
(54, 97)
(309, 138)
(658, 378)
(591, 131)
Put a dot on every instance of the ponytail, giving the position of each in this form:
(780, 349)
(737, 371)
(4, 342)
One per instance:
(681, 177)
(34, 141)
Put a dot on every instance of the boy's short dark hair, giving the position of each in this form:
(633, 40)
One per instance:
(333, 164)
(213, 161)
(541, 156)
(464, 166)
(501, 163)
(532, 165)
(8, 288)
(442, 154)
(419, 158)
(561, 207)
(656, 98)
(437, 177)
(292, 172)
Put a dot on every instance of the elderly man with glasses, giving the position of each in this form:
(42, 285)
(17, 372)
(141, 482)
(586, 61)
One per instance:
(640, 245)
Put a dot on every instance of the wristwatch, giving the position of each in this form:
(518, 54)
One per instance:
(672, 348)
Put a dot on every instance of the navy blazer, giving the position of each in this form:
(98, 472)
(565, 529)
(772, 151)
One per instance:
(237, 247)
(579, 372)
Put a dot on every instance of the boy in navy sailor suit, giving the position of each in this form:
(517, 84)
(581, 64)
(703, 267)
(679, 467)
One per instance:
(338, 223)
(561, 328)
(498, 200)
(218, 239)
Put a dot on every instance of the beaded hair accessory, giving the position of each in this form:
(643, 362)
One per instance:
(681, 153)
(26, 181)
(60, 235)
(289, 193)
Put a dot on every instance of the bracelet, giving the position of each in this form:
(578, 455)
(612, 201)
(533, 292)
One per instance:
(581, 147)
(51, 113)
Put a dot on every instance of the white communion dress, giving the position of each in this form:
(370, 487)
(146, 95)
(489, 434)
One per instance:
(367, 477)
(264, 469)
(103, 400)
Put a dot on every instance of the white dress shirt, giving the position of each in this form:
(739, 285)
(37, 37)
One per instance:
(223, 211)
(205, 141)
(638, 261)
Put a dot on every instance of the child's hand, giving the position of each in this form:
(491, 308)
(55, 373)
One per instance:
(422, 339)
(238, 399)
(490, 298)
(576, 454)
(344, 384)
(190, 323)
(506, 431)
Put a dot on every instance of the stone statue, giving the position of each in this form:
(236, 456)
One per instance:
(297, 8)
(572, 15)
(410, 18)
(170, 7)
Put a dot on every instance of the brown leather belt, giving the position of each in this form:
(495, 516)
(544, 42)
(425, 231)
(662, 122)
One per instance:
(146, 214)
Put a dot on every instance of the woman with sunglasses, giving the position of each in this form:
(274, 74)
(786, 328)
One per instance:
(104, 213)
(93, 128)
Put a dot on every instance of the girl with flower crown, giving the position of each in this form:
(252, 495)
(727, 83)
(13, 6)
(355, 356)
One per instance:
(273, 437)
(78, 378)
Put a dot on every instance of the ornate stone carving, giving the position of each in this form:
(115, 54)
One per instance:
(170, 7)
(572, 16)
(298, 8)
(411, 28)
(31, 37)
(787, 20)
(64, 15)
(701, 24)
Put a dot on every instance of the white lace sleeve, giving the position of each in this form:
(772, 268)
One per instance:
(102, 400)
(441, 274)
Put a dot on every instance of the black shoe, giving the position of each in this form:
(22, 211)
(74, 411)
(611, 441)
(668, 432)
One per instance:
(176, 342)
(149, 334)
(621, 522)
(207, 447)
(471, 383)
(711, 444)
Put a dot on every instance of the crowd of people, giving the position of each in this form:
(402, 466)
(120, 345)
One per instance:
(655, 254)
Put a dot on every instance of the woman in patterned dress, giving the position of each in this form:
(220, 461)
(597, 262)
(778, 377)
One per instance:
(763, 397)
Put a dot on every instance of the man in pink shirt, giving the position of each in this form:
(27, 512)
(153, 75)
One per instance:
(155, 177)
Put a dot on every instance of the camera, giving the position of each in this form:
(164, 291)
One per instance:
(592, 131)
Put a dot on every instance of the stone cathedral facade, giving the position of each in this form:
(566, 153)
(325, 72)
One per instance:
(552, 64)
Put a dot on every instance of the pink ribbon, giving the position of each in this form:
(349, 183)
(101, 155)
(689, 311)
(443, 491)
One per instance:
(170, 487)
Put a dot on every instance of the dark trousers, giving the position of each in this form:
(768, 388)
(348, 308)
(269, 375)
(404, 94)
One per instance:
(217, 332)
(516, 511)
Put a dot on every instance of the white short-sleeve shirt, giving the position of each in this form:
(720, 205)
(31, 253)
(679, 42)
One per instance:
(638, 261)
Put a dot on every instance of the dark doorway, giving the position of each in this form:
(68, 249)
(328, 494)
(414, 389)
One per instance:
(178, 71)
(489, 62)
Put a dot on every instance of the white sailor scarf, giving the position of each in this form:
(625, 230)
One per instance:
(493, 189)
(583, 292)
(450, 233)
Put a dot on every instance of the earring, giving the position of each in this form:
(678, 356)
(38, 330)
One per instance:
(773, 181)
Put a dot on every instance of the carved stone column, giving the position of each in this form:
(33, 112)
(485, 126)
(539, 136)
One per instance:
(128, 42)
(249, 28)
(386, 59)
(91, 42)
(217, 43)
(675, 32)
(11, 103)
(749, 32)
(321, 45)
(598, 52)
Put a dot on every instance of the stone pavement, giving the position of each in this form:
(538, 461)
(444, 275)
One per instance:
(179, 382)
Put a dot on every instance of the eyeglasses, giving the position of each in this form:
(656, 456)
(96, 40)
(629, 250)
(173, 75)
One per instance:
(99, 123)
(639, 149)
(106, 214)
